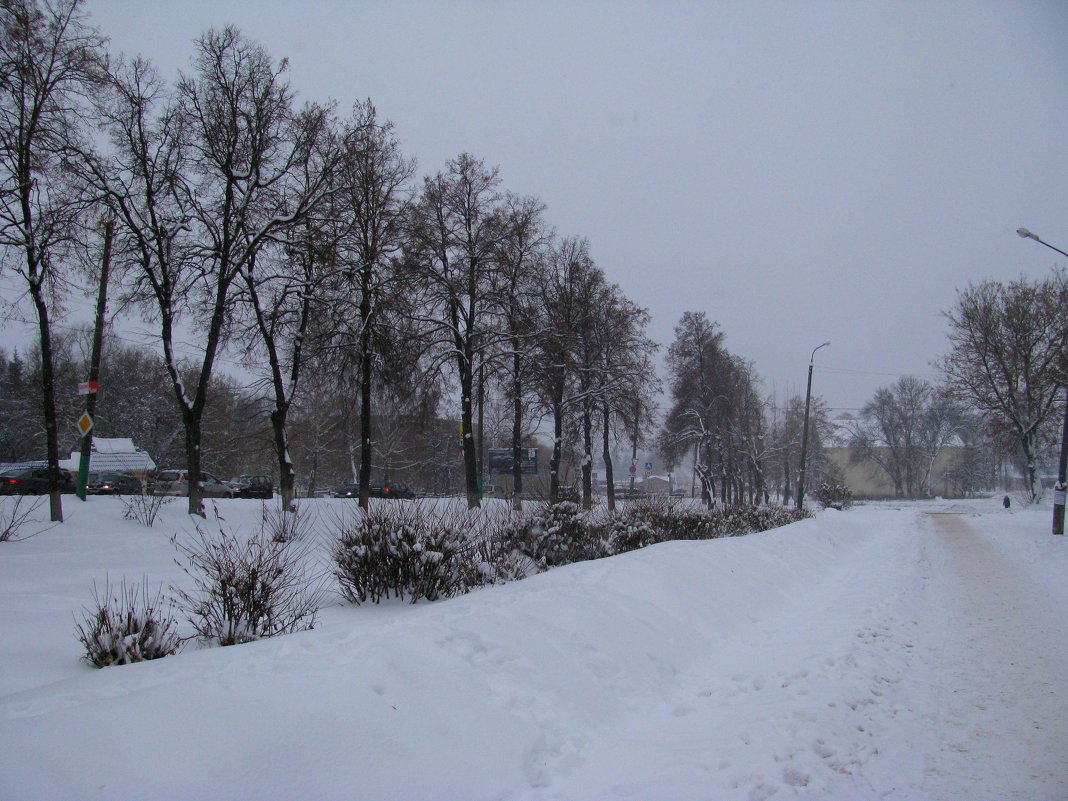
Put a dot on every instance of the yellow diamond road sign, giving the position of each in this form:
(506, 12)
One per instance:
(85, 423)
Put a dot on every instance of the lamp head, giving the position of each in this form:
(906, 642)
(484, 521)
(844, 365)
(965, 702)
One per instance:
(1023, 232)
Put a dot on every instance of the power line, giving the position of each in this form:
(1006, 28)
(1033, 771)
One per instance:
(873, 372)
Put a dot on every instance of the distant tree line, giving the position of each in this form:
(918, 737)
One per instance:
(999, 409)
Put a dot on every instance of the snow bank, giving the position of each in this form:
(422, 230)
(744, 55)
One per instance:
(796, 663)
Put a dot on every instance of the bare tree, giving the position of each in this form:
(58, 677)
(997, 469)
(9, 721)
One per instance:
(456, 226)
(49, 62)
(888, 433)
(625, 377)
(717, 411)
(696, 362)
(368, 221)
(283, 298)
(1007, 358)
(521, 252)
(568, 291)
(201, 182)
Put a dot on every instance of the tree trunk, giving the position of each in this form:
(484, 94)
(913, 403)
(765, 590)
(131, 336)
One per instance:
(466, 429)
(286, 473)
(481, 441)
(48, 397)
(517, 433)
(554, 461)
(366, 454)
(192, 456)
(587, 455)
(1027, 443)
(606, 455)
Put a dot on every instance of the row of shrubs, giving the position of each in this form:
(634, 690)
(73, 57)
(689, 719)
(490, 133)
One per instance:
(247, 589)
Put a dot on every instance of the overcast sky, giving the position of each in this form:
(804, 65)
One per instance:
(801, 171)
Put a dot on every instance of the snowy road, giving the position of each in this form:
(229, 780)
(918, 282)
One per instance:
(914, 652)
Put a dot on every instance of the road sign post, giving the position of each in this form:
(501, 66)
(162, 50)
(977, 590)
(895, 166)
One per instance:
(85, 425)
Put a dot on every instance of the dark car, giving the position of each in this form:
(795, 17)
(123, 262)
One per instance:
(250, 486)
(113, 484)
(391, 489)
(32, 481)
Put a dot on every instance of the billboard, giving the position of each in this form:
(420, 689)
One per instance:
(500, 461)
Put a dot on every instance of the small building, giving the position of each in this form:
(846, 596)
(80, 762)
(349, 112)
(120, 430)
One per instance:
(656, 485)
(113, 455)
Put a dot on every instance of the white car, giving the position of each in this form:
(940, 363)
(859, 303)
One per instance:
(176, 482)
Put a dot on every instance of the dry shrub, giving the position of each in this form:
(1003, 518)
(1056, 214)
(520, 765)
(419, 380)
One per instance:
(657, 519)
(16, 511)
(127, 626)
(288, 525)
(143, 508)
(247, 589)
(834, 496)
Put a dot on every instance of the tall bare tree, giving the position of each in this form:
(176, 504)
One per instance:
(521, 252)
(50, 60)
(284, 290)
(455, 230)
(1008, 357)
(697, 363)
(368, 218)
(625, 379)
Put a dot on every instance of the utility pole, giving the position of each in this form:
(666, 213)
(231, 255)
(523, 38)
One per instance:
(94, 360)
(804, 433)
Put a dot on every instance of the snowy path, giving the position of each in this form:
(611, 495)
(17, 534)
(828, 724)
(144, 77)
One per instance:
(938, 675)
(1001, 706)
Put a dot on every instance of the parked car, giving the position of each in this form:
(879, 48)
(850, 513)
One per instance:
(176, 482)
(113, 484)
(32, 481)
(390, 489)
(250, 486)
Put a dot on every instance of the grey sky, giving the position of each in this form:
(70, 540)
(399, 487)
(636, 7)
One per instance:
(802, 171)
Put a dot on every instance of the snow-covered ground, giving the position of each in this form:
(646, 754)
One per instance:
(909, 651)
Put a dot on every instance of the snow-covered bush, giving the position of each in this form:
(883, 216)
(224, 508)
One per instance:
(652, 520)
(127, 626)
(555, 534)
(833, 496)
(734, 521)
(657, 519)
(404, 551)
(635, 526)
(247, 589)
(494, 559)
(143, 508)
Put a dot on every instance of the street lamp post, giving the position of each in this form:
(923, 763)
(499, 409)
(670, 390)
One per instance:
(1062, 467)
(804, 433)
